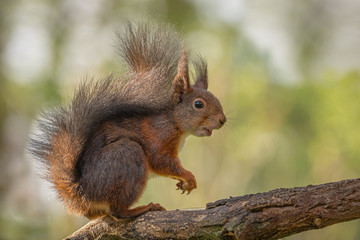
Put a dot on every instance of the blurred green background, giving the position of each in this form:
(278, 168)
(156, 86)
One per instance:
(287, 73)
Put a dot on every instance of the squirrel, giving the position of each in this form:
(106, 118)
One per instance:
(98, 151)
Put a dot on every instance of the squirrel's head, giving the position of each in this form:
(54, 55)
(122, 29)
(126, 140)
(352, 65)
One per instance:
(197, 111)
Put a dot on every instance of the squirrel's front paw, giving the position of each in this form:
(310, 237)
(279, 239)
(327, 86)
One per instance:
(188, 184)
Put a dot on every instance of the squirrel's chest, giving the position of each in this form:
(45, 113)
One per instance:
(161, 146)
(162, 141)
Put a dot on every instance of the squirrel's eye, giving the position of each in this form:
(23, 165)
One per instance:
(198, 104)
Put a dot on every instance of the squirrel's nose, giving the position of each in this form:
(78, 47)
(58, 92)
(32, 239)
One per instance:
(222, 119)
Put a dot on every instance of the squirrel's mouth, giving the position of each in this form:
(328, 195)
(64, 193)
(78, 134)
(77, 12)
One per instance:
(207, 131)
(203, 131)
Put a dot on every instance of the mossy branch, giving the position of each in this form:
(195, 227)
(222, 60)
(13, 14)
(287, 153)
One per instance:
(270, 215)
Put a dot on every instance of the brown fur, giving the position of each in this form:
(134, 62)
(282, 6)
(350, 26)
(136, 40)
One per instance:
(98, 152)
(66, 149)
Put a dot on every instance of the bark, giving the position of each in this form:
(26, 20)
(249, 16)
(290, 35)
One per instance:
(271, 215)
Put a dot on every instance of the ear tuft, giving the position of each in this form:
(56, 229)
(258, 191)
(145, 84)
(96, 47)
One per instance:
(201, 73)
(181, 83)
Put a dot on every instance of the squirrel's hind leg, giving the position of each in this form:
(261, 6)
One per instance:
(134, 167)
(125, 172)
(116, 176)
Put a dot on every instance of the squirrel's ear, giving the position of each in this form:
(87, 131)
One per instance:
(201, 73)
(181, 82)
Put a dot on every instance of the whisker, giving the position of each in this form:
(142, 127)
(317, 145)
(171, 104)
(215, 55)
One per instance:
(223, 94)
(227, 129)
(231, 112)
(234, 118)
(234, 109)
(230, 125)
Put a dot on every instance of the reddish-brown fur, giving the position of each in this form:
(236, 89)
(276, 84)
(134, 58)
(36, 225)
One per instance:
(167, 145)
(99, 151)
(65, 148)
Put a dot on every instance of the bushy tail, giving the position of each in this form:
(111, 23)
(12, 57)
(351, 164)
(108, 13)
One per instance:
(57, 150)
(151, 53)
(61, 134)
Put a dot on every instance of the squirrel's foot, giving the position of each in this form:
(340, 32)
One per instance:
(135, 212)
(155, 207)
(188, 185)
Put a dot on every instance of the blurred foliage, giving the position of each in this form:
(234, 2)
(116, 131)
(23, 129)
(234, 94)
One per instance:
(281, 132)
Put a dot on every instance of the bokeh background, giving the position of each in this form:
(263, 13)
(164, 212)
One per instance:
(287, 73)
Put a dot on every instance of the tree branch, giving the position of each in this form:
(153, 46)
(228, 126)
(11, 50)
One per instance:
(271, 215)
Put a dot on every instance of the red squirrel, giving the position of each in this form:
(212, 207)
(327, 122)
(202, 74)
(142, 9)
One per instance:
(99, 150)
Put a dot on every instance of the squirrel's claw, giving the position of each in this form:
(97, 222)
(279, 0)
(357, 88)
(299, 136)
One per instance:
(186, 186)
(180, 185)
